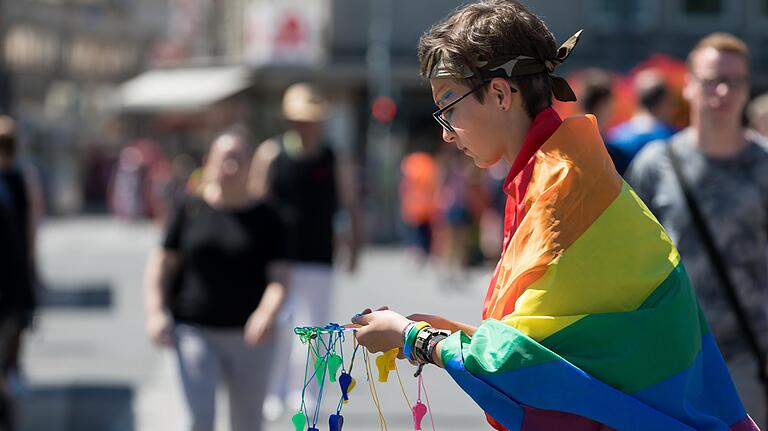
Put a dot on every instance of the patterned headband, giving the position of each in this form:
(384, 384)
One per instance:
(520, 65)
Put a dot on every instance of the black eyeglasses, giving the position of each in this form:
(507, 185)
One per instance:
(438, 115)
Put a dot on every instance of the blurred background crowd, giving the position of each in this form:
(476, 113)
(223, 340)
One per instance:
(110, 107)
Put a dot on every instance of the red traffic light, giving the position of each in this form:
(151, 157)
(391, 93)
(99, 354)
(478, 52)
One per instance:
(384, 109)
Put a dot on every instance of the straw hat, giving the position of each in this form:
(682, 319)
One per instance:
(305, 103)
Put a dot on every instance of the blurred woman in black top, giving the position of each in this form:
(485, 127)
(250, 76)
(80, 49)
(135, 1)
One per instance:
(214, 287)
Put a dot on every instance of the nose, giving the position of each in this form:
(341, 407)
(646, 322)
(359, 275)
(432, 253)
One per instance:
(722, 89)
(448, 136)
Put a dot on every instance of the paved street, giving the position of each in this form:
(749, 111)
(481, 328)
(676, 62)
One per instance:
(90, 367)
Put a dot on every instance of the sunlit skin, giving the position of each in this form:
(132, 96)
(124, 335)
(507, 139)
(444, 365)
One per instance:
(227, 164)
(716, 107)
(486, 132)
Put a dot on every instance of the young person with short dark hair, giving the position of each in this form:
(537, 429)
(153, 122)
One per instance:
(590, 322)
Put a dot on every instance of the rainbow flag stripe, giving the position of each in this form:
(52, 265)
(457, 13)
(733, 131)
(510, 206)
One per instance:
(592, 319)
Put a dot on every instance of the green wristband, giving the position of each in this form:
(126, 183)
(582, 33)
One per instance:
(410, 339)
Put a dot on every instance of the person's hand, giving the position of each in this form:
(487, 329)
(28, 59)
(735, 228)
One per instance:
(158, 327)
(382, 330)
(257, 328)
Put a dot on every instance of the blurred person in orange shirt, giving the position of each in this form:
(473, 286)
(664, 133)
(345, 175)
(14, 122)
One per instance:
(418, 189)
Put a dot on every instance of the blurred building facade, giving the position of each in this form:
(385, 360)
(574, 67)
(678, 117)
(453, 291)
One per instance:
(189, 66)
(61, 60)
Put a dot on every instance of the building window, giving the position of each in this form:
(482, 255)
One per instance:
(704, 7)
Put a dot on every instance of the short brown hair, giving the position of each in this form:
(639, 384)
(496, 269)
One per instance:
(7, 136)
(484, 32)
(725, 42)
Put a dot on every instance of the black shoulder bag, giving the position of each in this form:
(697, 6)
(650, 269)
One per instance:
(721, 270)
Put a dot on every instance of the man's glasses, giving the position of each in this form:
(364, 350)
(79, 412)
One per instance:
(445, 122)
(733, 82)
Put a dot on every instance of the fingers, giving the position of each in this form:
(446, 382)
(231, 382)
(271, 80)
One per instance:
(359, 317)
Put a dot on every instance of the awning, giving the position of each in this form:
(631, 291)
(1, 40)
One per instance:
(186, 89)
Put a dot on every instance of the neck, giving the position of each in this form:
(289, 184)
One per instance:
(225, 197)
(517, 133)
(718, 140)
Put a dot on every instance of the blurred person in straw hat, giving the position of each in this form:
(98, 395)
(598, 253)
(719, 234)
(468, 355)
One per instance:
(309, 183)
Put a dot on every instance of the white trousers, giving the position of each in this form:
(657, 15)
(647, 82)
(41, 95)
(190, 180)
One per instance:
(209, 356)
(308, 304)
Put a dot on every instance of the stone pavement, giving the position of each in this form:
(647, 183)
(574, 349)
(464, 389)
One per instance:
(89, 365)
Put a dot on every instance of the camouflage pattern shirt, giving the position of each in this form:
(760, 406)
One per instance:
(732, 194)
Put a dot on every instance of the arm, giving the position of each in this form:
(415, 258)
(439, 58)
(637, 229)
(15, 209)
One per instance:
(262, 319)
(258, 177)
(161, 265)
(440, 322)
(36, 211)
(345, 179)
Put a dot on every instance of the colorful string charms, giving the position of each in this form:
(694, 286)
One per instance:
(335, 422)
(299, 421)
(345, 381)
(334, 363)
(419, 410)
(386, 363)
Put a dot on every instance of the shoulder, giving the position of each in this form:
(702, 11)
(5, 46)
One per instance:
(645, 168)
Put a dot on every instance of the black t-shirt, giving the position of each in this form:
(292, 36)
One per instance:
(224, 257)
(304, 190)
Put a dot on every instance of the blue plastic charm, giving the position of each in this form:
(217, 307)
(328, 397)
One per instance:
(344, 381)
(335, 422)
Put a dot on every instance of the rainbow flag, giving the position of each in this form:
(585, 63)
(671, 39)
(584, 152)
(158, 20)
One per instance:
(592, 322)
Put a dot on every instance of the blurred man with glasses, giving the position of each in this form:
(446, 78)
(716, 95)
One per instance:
(726, 172)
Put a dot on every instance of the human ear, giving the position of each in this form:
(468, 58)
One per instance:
(688, 91)
(502, 93)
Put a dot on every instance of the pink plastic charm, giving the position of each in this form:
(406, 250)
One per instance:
(419, 410)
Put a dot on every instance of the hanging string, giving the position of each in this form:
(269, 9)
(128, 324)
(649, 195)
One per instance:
(351, 366)
(372, 388)
(322, 381)
(426, 395)
(303, 406)
(402, 388)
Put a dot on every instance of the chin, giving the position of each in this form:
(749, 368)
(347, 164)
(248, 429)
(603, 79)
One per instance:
(482, 164)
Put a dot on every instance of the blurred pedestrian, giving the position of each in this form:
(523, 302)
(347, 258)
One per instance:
(596, 97)
(455, 217)
(418, 190)
(650, 120)
(20, 207)
(309, 183)
(590, 322)
(708, 185)
(214, 287)
(757, 113)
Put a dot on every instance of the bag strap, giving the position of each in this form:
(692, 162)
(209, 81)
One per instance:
(719, 266)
